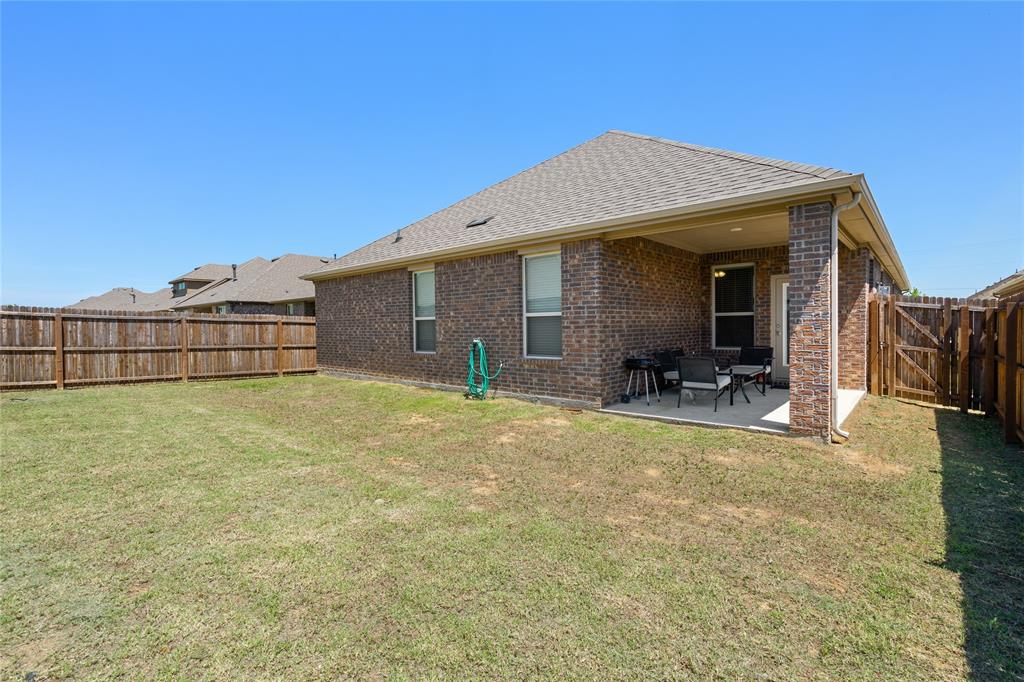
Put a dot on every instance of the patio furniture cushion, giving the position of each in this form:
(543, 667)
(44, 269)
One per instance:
(721, 381)
(667, 363)
(702, 374)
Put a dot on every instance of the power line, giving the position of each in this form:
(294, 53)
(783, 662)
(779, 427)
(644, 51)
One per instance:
(964, 245)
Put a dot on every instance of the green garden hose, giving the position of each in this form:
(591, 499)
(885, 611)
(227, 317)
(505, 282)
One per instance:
(478, 368)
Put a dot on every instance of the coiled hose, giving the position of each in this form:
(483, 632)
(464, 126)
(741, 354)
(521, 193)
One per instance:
(478, 368)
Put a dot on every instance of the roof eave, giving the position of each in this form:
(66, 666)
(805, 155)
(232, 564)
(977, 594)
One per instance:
(789, 192)
(891, 257)
(856, 182)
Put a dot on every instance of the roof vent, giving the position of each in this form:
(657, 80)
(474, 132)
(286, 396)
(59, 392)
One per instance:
(398, 236)
(479, 221)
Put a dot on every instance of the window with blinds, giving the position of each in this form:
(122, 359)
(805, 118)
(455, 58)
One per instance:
(542, 306)
(424, 320)
(733, 288)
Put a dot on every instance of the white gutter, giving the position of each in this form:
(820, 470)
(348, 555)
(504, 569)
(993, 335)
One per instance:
(833, 322)
(881, 230)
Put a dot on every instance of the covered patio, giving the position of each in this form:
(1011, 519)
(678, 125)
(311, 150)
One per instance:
(765, 413)
(789, 279)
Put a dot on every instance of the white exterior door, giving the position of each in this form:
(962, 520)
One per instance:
(780, 326)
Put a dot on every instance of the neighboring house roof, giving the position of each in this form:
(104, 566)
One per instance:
(1007, 286)
(127, 298)
(205, 273)
(613, 177)
(260, 281)
(281, 281)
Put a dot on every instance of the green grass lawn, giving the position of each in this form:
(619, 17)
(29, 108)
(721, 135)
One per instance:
(312, 527)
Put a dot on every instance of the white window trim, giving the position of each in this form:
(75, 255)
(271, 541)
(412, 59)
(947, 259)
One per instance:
(527, 315)
(421, 319)
(753, 303)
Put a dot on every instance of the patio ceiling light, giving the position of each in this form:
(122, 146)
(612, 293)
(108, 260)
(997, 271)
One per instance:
(735, 229)
(719, 273)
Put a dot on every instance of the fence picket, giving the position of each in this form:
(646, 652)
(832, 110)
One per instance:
(964, 359)
(67, 347)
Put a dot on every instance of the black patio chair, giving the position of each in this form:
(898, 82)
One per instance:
(701, 374)
(667, 366)
(759, 356)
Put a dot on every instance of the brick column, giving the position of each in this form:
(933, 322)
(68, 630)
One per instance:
(854, 279)
(810, 391)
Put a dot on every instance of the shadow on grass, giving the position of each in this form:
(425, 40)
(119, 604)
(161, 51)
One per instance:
(983, 498)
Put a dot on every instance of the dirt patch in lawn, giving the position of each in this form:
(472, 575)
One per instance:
(871, 464)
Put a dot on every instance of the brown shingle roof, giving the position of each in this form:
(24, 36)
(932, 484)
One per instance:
(280, 282)
(206, 273)
(1007, 286)
(127, 298)
(615, 175)
(260, 281)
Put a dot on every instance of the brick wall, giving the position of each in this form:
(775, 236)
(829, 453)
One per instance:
(619, 298)
(256, 309)
(650, 302)
(364, 324)
(302, 308)
(854, 284)
(879, 277)
(768, 261)
(810, 392)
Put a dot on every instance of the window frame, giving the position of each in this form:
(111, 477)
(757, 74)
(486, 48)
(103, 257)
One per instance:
(422, 319)
(753, 304)
(527, 315)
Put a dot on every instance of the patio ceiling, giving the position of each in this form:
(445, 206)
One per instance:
(768, 226)
(729, 235)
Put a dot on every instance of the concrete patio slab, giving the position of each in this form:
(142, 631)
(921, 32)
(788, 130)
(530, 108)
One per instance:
(766, 413)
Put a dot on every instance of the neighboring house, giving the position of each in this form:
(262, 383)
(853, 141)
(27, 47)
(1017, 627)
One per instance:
(256, 286)
(199, 278)
(1004, 288)
(127, 298)
(621, 246)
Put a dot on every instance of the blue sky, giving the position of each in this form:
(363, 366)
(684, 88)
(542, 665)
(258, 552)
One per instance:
(139, 140)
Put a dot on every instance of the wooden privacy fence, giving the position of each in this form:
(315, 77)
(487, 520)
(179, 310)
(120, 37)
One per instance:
(964, 353)
(52, 347)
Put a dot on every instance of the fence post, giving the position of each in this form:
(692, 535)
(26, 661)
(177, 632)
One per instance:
(1010, 362)
(890, 347)
(58, 350)
(874, 376)
(184, 349)
(964, 358)
(988, 370)
(280, 347)
(946, 353)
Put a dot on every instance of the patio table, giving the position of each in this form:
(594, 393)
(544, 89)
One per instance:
(741, 374)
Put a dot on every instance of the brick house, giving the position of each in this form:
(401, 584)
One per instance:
(621, 246)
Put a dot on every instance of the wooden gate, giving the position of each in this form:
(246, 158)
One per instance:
(949, 352)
